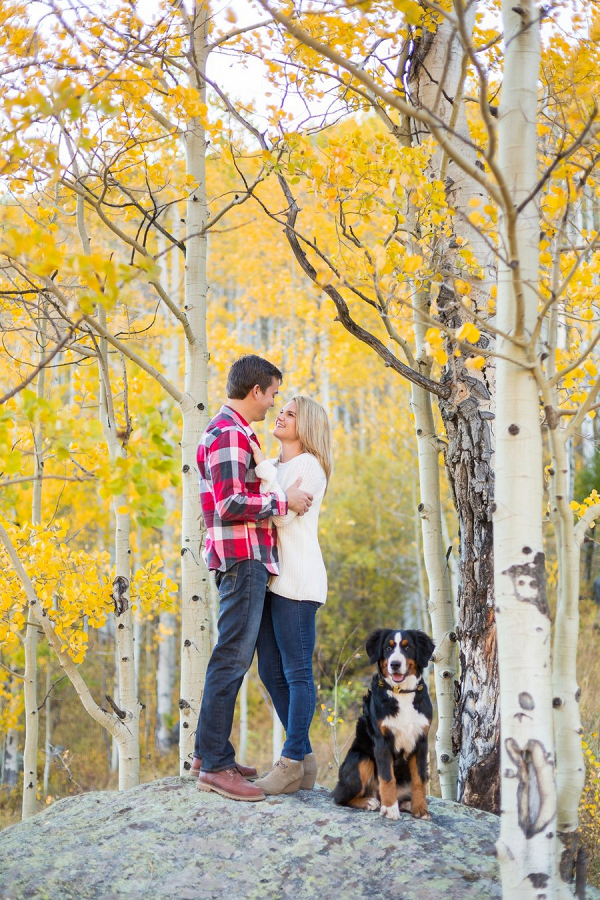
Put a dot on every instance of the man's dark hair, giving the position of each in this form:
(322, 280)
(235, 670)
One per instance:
(248, 371)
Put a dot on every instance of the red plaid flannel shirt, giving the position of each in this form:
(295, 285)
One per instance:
(238, 517)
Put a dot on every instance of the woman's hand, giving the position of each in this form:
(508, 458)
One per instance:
(257, 453)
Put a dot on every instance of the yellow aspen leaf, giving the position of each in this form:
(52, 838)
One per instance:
(379, 256)
(462, 287)
(440, 355)
(590, 368)
(468, 332)
(475, 362)
(433, 336)
(412, 263)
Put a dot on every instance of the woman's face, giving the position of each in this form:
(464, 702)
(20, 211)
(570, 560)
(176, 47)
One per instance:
(285, 423)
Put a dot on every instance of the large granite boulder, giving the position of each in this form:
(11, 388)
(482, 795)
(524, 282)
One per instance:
(167, 841)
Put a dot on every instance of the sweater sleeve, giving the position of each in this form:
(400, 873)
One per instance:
(267, 473)
(313, 481)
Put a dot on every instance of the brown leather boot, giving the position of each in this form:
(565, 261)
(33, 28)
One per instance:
(284, 778)
(229, 783)
(248, 772)
(310, 772)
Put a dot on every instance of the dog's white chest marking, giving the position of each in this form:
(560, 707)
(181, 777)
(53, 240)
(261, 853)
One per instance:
(407, 725)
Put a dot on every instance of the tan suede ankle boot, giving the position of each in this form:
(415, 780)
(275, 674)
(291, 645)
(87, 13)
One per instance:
(284, 778)
(310, 772)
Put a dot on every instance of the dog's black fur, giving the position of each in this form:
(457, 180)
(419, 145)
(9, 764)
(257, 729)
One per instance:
(388, 759)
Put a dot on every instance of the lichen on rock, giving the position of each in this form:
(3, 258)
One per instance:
(166, 840)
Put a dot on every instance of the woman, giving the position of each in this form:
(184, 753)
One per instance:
(287, 633)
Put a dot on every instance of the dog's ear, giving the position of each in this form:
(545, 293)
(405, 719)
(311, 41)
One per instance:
(425, 648)
(373, 645)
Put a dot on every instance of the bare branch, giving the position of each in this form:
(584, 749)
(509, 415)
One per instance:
(42, 364)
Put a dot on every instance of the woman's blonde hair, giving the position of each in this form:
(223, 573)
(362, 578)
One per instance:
(314, 431)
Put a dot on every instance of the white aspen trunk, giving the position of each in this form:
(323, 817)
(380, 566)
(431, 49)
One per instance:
(565, 689)
(195, 605)
(125, 728)
(421, 610)
(360, 407)
(165, 663)
(138, 637)
(10, 771)
(31, 722)
(128, 739)
(526, 847)
(32, 718)
(325, 385)
(566, 692)
(114, 745)
(588, 447)
(165, 681)
(452, 566)
(48, 730)
(440, 596)
(128, 708)
(440, 605)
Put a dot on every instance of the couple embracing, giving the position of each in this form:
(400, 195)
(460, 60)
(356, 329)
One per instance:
(262, 544)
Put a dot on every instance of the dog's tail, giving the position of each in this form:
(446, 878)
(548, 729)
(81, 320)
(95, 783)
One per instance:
(356, 773)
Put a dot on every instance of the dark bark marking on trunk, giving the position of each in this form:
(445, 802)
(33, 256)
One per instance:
(574, 861)
(482, 787)
(529, 582)
(536, 793)
(120, 588)
(538, 879)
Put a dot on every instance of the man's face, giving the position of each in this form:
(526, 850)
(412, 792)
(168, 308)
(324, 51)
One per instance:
(265, 402)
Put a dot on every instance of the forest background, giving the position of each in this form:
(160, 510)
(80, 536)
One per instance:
(145, 225)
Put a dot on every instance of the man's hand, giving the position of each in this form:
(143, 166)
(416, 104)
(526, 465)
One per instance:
(257, 453)
(298, 501)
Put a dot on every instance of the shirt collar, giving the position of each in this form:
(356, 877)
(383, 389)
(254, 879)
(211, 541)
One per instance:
(239, 420)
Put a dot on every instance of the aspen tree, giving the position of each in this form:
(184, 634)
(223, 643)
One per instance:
(526, 849)
(30, 780)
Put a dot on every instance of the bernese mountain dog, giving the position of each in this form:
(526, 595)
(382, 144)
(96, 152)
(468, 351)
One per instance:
(387, 764)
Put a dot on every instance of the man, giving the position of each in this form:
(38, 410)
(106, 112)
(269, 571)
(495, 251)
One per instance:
(241, 549)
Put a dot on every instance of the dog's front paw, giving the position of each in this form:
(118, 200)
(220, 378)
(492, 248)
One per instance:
(420, 812)
(373, 803)
(390, 812)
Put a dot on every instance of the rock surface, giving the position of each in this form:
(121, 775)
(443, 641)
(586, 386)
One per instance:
(167, 841)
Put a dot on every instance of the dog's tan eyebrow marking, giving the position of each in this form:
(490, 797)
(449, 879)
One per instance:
(392, 642)
(405, 643)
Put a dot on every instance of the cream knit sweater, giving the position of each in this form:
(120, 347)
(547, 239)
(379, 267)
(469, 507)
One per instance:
(301, 567)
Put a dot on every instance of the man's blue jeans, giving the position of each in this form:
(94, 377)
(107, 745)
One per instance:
(286, 642)
(241, 601)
